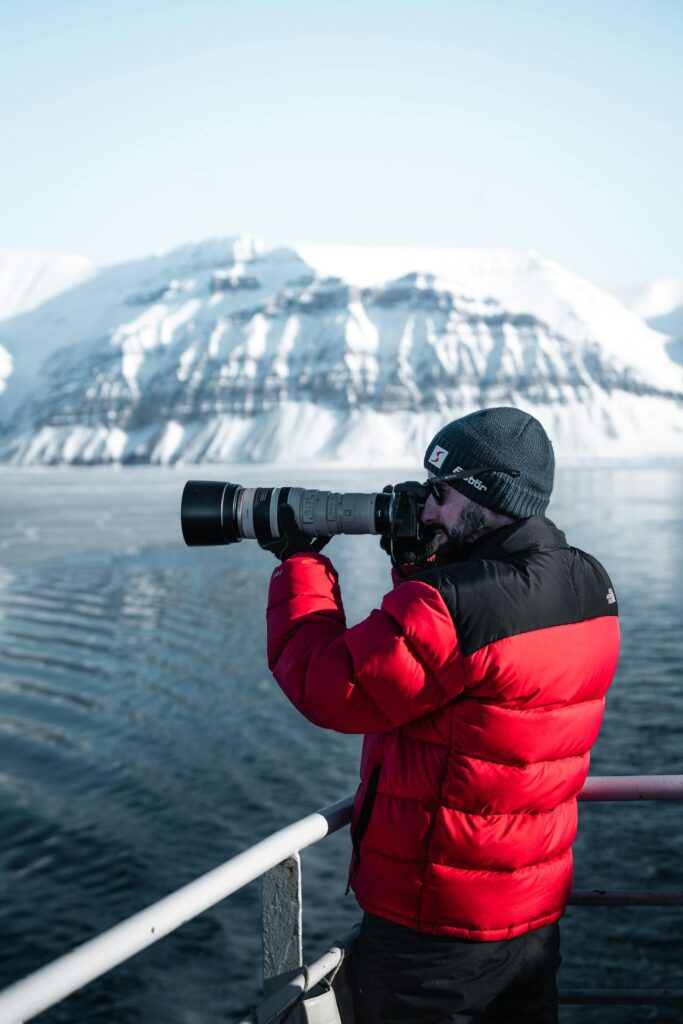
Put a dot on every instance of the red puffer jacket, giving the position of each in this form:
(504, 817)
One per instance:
(480, 688)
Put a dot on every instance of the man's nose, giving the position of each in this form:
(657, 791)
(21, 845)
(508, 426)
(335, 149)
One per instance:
(430, 511)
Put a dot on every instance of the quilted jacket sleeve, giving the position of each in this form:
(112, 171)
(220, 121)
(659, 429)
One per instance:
(399, 664)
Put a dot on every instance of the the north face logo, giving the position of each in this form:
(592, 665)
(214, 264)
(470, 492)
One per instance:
(437, 457)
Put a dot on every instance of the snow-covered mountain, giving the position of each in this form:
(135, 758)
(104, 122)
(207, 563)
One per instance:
(229, 350)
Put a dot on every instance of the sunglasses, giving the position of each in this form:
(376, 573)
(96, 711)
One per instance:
(437, 486)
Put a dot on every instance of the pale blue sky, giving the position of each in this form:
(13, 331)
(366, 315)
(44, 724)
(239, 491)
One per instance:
(127, 128)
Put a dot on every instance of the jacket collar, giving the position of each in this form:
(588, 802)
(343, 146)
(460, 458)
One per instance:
(534, 533)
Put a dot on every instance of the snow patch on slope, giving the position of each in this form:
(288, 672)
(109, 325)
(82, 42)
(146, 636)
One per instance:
(29, 277)
(6, 366)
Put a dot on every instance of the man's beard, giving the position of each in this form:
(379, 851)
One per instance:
(469, 526)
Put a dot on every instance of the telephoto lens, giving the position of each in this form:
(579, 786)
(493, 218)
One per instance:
(213, 512)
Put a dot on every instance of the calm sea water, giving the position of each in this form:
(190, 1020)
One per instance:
(144, 742)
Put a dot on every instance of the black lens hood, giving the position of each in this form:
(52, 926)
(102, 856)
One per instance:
(207, 513)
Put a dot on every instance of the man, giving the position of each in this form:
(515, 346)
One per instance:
(479, 685)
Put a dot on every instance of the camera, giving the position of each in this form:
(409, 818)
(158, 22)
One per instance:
(214, 512)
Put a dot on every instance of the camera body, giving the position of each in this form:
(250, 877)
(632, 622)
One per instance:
(214, 512)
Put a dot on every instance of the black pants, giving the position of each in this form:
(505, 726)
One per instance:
(401, 975)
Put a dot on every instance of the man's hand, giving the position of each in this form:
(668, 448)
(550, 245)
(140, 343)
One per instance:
(292, 541)
(412, 552)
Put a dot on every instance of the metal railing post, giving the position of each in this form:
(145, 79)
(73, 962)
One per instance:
(281, 922)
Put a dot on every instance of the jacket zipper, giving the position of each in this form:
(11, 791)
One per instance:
(366, 810)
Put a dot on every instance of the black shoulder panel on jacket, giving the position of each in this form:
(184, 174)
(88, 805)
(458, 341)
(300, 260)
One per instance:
(524, 579)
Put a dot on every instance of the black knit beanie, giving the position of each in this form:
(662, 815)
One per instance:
(501, 438)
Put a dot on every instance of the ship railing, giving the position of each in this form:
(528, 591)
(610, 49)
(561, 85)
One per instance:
(276, 858)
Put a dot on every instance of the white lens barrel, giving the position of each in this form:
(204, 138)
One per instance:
(246, 513)
(326, 513)
(274, 528)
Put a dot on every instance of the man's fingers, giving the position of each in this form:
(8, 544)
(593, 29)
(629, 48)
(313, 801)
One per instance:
(411, 487)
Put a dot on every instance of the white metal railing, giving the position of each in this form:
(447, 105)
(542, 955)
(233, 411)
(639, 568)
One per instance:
(52, 983)
(632, 787)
